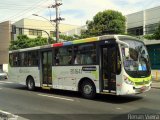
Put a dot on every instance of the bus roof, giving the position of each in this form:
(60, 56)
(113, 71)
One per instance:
(92, 39)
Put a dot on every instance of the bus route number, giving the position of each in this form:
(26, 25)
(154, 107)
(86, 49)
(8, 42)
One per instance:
(76, 71)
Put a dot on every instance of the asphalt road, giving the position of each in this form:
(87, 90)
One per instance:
(59, 105)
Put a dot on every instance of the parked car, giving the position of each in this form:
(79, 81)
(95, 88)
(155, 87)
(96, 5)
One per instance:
(3, 75)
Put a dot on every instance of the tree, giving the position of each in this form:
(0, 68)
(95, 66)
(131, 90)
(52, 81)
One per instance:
(24, 42)
(69, 38)
(106, 22)
(156, 34)
(148, 37)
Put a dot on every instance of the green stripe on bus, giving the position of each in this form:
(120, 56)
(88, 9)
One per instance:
(137, 81)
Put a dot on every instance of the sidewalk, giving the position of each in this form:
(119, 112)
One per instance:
(156, 79)
(156, 84)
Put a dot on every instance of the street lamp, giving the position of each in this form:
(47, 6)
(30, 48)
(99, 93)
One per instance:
(45, 19)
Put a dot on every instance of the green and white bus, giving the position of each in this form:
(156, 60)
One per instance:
(109, 64)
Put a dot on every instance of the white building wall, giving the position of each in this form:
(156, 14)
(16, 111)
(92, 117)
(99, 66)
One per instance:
(147, 18)
(41, 25)
(76, 31)
(135, 19)
(5, 67)
(153, 15)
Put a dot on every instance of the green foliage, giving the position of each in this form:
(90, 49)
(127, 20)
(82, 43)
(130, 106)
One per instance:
(156, 34)
(149, 37)
(65, 37)
(69, 38)
(106, 22)
(24, 42)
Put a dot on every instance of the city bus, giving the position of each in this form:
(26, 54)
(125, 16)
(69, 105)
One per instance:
(108, 64)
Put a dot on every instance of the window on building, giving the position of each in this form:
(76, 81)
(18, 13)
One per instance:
(135, 31)
(20, 31)
(52, 33)
(31, 32)
(13, 29)
(12, 36)
(154, 56)
(35, 32)
(39, 33)
(151, 28)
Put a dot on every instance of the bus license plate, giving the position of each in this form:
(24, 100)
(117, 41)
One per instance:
(143, 88)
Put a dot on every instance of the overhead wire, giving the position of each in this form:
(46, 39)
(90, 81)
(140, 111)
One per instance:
(26, 11)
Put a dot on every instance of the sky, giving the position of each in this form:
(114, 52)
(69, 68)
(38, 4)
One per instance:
(75, 12)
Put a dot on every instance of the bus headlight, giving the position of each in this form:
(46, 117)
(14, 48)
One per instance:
(126, 80)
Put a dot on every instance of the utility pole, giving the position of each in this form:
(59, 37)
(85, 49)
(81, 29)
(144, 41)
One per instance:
(58, 18)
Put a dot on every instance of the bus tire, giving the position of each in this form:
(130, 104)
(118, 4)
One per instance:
(30, 83)
(88, 89)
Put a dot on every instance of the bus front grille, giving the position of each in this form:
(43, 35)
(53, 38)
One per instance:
(142, 83)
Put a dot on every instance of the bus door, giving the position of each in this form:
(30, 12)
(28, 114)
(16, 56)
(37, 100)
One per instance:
(108, 63)
(46, 68)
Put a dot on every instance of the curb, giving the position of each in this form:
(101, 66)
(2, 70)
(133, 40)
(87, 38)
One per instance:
(156, 87)
(9, 116)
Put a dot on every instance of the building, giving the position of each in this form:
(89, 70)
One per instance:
(5, 33)
(30, 27)
(76, 31)
(143, 22)
(33, 28)
(153, 47)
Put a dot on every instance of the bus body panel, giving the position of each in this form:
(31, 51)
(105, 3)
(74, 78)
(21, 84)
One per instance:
(125, 88)
(20, 74)
(68, 77)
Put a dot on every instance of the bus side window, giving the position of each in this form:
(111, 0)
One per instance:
(63, 55)
(15, 59)
(118, 62)
(77, 59)
(11, 59)
(85, 54)
(56, 59)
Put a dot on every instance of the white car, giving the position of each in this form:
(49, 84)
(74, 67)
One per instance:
(3, 75)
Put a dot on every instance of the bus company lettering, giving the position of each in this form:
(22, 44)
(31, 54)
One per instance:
(89, 68)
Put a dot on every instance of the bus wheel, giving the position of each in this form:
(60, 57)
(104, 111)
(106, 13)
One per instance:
(88, 90)
(30, 83)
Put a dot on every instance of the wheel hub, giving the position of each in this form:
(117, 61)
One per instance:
(30, 84)
(87, 89)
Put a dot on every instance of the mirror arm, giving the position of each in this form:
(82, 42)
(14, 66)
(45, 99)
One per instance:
(121, 42)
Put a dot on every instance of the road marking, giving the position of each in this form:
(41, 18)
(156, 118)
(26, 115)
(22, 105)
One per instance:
(55, 97)
(118, 108)
(5, 82)
(8, 115)
(0, 88)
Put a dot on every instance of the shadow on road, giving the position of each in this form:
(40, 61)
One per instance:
(99, 97)
(138, 114)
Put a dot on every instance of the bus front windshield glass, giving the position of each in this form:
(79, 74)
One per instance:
(136, 59)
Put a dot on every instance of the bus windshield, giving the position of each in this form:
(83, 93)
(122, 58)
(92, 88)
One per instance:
(135, 59)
